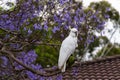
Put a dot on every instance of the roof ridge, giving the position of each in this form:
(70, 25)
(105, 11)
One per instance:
(96, 60)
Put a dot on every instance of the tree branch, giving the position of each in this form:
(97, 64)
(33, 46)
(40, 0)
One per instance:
(27, 67)
(8, 31)
(105, 48)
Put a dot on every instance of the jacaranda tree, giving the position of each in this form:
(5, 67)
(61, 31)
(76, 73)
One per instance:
(31, 24)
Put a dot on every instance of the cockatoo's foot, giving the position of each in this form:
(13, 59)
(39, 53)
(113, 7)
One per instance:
(62, 70)
(60, 67)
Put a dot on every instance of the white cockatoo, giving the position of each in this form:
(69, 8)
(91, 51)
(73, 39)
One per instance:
(67, 48)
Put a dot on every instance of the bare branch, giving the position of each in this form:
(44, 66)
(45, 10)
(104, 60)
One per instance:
(105, 47)
(48, 44)
(109, 50)
(8, 31)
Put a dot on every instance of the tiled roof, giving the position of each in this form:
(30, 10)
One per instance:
(99, 69)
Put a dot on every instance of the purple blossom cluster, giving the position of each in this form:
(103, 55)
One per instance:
(75, 71)
(27, 58)
(5, 68)
(22, 16)
(63, 1)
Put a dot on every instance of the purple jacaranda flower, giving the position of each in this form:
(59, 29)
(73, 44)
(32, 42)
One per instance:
(83, 15)
(11, 27)
(63, 1)
(78, 11)
(4, 61)
(108, 9)
(75, 71)
(56, 18)
(24, 28)
(100, 27)
(27, 58)
(45, 27)
(66, 27)
(59, 77)
(31, 75)
(37, 26)
(93, 16)
(76, 26)
(89, 13)
(16, 46)
(8, 21)
(7, 36)
(4, 16)
(2, 23)
(106, 16)
(50, 78)
(88, 41)
(54, 67)
(67, 16)
(51, 5)
(55, 29)
(62, 35)
(80, 38)
(29, 31)
(81, 19)
(76, 18)
(42, 78)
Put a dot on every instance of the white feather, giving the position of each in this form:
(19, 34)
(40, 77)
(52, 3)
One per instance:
(67, 48)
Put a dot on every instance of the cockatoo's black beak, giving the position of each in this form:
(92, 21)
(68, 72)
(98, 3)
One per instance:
(76, 34)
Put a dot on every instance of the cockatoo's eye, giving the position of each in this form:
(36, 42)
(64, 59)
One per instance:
(76, 33)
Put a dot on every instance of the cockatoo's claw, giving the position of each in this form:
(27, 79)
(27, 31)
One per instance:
(62, 71)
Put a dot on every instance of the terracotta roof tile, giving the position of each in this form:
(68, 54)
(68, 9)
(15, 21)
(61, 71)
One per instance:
(99, 69)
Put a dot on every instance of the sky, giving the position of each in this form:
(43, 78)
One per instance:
(3, 3)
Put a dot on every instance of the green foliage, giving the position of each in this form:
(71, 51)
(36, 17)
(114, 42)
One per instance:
(10, 4)
(71, 60)
(12, 8)
(1, 8)
(103, 6)
(47, 55)
(94, 44)
(97, 42)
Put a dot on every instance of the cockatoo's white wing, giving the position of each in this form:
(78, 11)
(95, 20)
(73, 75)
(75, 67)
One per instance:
(67, 48)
